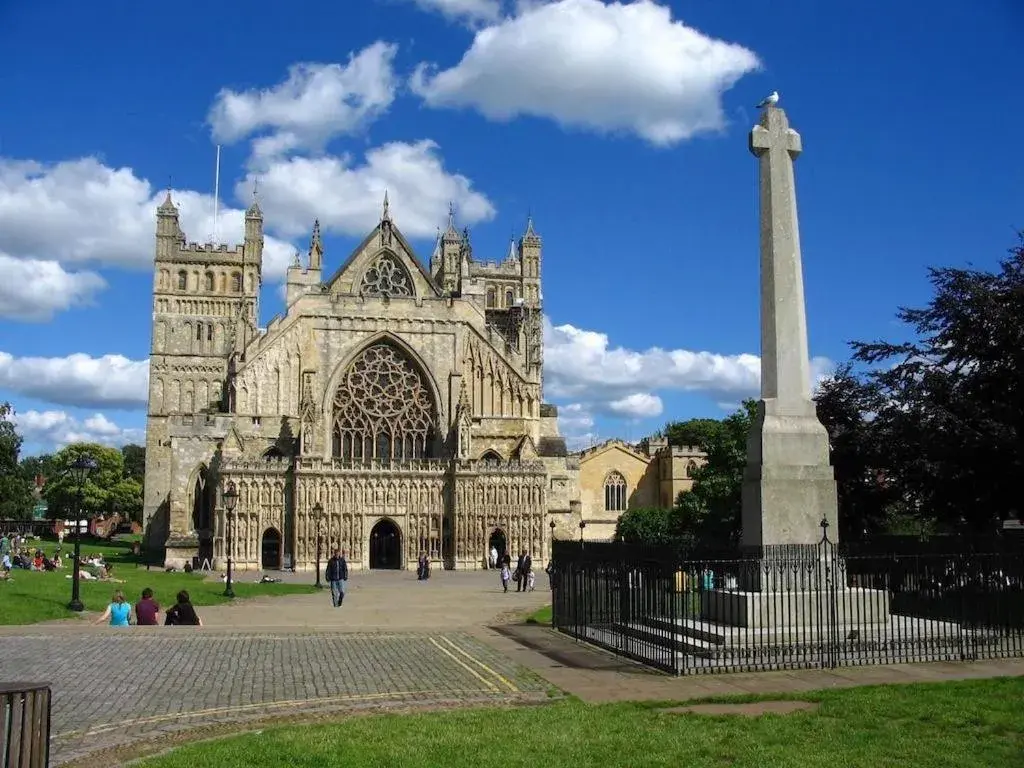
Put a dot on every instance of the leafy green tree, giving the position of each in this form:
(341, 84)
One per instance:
(952, 405)
(710, 511)
(848, 406)
(62, 491)
(41, 465)
(647, 525)
(15, 489)
(695, 432)
(134, 461)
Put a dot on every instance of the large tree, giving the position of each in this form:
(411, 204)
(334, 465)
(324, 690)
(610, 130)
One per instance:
(710, 511)
(15, 489)
(107, 490)
(950, 404)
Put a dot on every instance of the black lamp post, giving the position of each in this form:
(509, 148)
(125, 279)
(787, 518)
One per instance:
(230, 497)
(318, 516)
(80, 470)
(583, 524)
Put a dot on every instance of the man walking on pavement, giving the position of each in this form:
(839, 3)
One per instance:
(524, 567)
(337, 575)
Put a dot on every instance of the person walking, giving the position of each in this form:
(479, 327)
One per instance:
(337, 575)
(494, 556)
(118, 612)
(524, 567)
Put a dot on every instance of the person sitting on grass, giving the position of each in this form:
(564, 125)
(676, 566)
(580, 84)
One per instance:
(182, 613)
(118, 613)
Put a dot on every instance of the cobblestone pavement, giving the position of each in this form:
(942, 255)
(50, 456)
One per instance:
(393, 643)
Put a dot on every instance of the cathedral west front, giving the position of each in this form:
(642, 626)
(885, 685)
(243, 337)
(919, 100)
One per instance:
(394, 408)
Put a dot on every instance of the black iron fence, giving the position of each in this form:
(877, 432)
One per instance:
(25, 725)
(787, 607)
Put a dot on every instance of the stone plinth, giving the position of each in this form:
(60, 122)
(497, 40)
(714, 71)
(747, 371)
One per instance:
(797, 611)
(180, 550)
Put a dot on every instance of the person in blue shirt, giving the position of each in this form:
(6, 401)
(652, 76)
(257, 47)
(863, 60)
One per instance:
(118, 612)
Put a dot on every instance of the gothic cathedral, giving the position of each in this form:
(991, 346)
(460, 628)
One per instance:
(393, 409)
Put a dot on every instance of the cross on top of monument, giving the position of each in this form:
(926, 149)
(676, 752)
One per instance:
(773, 133)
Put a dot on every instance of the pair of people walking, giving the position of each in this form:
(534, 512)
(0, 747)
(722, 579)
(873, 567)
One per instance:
(523, 575)
(337, 577)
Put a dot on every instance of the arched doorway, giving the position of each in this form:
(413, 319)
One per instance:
(385, 545)
(270, 549)
(202, 514)
(497, 541)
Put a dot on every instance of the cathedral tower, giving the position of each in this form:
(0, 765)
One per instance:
(205, 306)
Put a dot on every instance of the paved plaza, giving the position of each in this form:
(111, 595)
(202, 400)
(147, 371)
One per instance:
(395, 642)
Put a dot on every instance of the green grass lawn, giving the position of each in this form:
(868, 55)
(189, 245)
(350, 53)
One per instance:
(540, 616)
(969, 723)
(31, 596)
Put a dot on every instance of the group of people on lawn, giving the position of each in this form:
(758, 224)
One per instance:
(15, 554)
(147, 611)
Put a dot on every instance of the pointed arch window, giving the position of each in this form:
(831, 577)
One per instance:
(182, 280)
(236, 282)
(386, 277)
(615, 493)
(208, 282)
(510, 298)
(492, 298)
(691, 468)
(491, 457)
(383, 408)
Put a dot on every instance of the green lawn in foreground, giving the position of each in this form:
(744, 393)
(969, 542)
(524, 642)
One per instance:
(970, 723)
(32, 596)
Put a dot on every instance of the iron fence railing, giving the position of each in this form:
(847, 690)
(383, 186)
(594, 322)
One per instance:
(25, 725)
(788, 607)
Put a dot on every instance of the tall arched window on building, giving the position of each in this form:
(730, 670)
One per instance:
(199, 331)
(492, 298)
(691, 467)
(182, 280)
(383, 408)
(236, 282)
(510, 298)
(615, 493)
(208, 282)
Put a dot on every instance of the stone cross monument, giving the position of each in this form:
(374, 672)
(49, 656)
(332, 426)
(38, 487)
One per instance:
(789, 485)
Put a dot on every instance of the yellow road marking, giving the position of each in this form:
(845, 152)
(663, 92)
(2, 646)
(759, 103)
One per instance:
(483, 666)
(469, 669)
(106, 727)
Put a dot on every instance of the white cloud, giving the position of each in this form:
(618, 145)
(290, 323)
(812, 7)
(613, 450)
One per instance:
(639, 405)
(82, 211)
(51, 430)
(314, 103)
(33, 290)
(347, 198)
(608, 67)
(581, 364)
(78, 379)
(473, 11)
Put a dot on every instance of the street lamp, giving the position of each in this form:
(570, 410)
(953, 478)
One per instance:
(230, 497)
(80, 470)
(583, 524)
(318, 517)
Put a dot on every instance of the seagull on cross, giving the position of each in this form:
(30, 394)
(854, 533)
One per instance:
(769, 101)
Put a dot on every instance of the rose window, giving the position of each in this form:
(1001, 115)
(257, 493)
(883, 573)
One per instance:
(386, 277)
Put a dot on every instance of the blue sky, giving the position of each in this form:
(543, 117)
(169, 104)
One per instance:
(622, 129)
